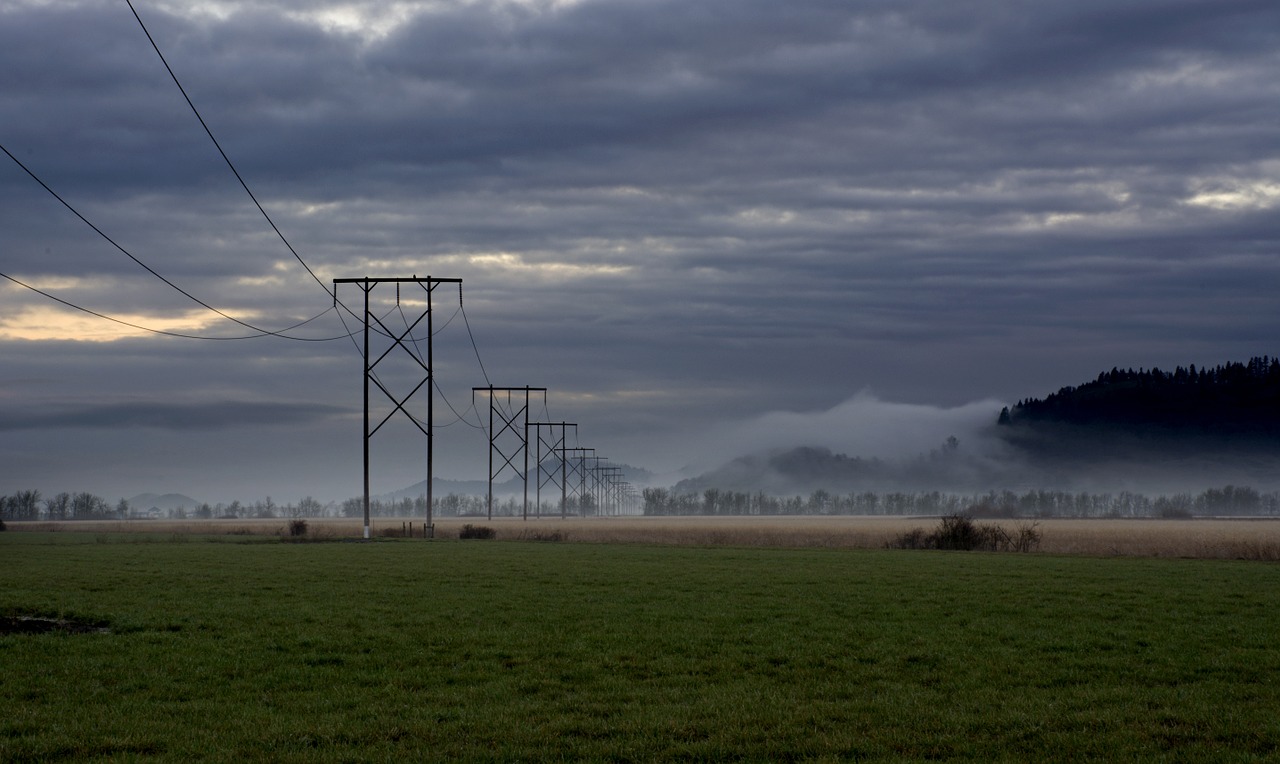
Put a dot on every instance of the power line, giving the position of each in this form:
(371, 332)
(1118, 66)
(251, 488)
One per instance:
(459, 417)
(143, 265)
(226, 158)
(446, 323)
(274, 227)
(473, 337)
(162, 331)
(231, 165)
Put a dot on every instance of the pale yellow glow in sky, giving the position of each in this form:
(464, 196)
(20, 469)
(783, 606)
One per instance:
(281, 273)
(512, 262)
(1238, 195)
(51, 322)
(370, 20)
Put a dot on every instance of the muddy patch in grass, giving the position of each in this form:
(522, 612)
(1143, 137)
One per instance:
(27, 624)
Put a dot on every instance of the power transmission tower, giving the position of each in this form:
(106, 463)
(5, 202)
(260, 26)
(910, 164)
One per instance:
(610, 479)
(578, 471)
(591, 480)
(516, 422)
(397, 340)
(556, 442)
(596, 488)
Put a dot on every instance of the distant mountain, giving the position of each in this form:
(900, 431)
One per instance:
(145, 501)
(443, 487)
(798, 471)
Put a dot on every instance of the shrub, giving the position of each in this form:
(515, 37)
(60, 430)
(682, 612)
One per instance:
(916, 538)
(543, 536)
(2, 528)
(297, 528)
(470, 531)
(1028, 538)
(961, 533)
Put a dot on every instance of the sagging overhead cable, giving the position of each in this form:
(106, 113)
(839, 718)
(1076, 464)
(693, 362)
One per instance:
(165, 332)
(260, 330)
(225, 158)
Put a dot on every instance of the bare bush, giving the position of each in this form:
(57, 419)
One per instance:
(297, 528)
(1027, 538)
(528, 535)
(916, 538)
(961, 533)
(470, 531)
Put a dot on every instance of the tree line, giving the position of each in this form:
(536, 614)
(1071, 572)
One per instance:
(462, 505)
(1234, 398)
(30, 505)
(1229, 500)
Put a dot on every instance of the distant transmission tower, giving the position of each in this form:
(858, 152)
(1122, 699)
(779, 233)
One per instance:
(513, 436)
(559, 462)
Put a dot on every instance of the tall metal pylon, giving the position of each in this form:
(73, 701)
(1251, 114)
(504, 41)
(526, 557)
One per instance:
(610, 477)
(578, 469)
(397, 340)
(597, 484)
(552, 444)
(510, 421)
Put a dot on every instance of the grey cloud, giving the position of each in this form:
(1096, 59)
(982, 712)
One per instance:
(942, 201)
(171, 416)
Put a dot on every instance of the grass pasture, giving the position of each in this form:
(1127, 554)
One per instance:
(244, 648)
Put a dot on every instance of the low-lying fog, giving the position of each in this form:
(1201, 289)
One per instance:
(909, 446)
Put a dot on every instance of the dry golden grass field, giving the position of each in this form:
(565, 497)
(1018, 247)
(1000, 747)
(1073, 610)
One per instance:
(1234, 538)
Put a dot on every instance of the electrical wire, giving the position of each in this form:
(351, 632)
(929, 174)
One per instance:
(274, 227)
(225, 158)
(446, 323)
(417, 351)
(458, 417)
(122, 322)
(414, 340)
(347, 329)
(473, 337)
(153, 271)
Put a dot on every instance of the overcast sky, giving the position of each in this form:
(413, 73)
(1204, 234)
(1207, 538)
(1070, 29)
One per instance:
(688, 220)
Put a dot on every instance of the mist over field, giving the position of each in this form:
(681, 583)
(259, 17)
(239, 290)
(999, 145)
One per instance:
(867, 443)
(864, 425)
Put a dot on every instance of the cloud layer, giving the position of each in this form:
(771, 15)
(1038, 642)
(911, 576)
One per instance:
(675, 216)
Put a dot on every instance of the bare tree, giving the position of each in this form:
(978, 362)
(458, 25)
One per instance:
(58, 506)
(86, 506)
(310, 507)
(23, 505)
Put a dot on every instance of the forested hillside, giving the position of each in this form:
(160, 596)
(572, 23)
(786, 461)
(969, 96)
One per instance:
(1236, 400)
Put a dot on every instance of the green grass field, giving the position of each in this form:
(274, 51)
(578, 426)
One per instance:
(494, 650)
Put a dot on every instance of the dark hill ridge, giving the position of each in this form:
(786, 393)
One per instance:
(806, 468)
(145, 501)
(1233, 402)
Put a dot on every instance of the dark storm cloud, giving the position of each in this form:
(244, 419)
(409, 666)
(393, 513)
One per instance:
(664, 211)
